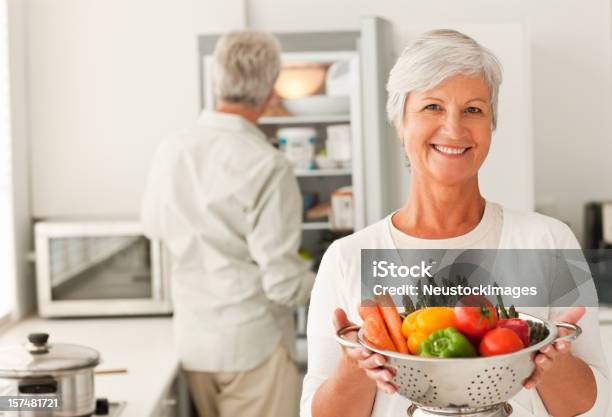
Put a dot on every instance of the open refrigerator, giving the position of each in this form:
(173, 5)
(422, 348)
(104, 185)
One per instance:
(328, 117)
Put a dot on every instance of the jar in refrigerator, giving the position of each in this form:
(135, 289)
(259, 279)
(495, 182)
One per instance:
(298, 145)
(338, 144)
(342, 209)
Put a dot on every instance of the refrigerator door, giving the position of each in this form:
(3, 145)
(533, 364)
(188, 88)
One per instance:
(377, 57)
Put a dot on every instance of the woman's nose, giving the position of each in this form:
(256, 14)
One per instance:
(453, 126)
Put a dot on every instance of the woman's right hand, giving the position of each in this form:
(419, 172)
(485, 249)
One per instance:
(373, 364)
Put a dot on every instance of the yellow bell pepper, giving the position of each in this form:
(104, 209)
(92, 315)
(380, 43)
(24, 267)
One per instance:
(418, 325)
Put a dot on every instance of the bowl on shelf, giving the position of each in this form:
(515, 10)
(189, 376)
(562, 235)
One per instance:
(318, 105)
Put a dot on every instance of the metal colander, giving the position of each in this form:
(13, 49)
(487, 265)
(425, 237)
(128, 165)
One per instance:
(462, 385)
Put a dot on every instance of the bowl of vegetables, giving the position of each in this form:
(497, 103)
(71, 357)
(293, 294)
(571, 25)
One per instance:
(467, 358)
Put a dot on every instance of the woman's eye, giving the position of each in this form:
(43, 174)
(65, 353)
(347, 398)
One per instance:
(473, 110)
(434, 107)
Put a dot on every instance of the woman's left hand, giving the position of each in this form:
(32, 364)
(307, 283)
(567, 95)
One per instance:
(550, 355)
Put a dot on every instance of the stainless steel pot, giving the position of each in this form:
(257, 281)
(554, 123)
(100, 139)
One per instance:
(39, 368)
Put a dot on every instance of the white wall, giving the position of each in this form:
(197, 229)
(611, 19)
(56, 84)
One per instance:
(107, 80)
(571, 76)
(105, 75)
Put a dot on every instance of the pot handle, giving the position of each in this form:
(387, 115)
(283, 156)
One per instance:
(577, 331)
(345, 342)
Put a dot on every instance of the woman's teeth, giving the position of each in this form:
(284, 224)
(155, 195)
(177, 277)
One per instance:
(450, 151)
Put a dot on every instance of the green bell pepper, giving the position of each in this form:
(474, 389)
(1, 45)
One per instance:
(447, 343)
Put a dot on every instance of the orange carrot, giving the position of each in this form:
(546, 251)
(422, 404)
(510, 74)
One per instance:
(394, 325)
(376, 333)
(367, 308)
(374, 327)
(393, 321)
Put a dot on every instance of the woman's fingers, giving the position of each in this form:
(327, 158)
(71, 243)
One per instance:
(357, 354)
(549, 352)
(563, 346)
(340, 320)
(534, 379)
(371, 363)
(380, 374)
(544, 362)
(553, 351)
(374, 361)
(387, 387)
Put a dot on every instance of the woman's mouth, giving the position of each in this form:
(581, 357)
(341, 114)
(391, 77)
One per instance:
(450, 150)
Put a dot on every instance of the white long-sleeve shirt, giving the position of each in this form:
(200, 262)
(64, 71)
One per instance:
(227, 206)
(338, 286)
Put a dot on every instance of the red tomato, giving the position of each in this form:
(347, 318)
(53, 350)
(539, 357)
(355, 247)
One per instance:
(499, 341)
(474, 316)
(518, 326)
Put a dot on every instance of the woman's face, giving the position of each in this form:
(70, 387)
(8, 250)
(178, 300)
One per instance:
(447, 130)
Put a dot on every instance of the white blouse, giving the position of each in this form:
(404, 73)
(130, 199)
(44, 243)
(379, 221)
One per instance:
(338, 285)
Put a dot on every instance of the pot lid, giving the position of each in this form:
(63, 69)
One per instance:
(37, 356)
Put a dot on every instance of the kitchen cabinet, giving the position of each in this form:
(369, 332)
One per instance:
(175, 401)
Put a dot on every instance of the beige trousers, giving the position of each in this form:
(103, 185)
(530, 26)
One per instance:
(270, 390)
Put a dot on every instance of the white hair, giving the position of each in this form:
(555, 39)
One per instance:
(246, 65)
(434, 57)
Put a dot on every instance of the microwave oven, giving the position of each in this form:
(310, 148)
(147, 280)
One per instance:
(109, 268)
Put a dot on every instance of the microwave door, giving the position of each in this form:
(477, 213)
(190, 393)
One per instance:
(100, 268)
(92, 269)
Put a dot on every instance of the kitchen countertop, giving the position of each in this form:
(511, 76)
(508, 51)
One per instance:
(144, 346)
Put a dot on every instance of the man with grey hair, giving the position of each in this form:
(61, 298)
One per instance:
(227, 207)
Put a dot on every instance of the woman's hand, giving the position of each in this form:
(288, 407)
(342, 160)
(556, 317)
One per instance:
(373, 364)
(551, 355)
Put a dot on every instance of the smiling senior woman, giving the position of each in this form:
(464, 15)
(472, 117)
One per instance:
(443, 103)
